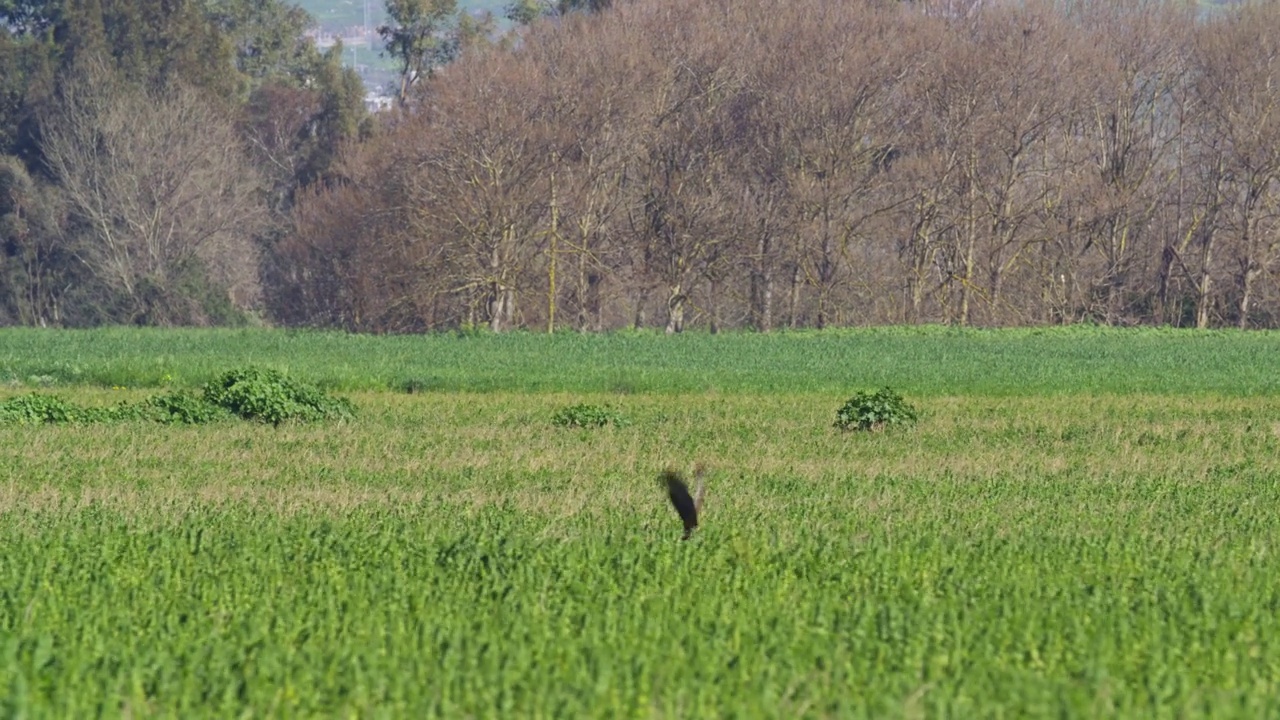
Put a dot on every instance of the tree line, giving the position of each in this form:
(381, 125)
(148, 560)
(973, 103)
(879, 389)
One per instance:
(736, 163)
(150, 151)
(648, 163)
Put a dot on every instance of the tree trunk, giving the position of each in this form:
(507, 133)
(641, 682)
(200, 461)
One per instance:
(675, 310)
(915, 277)
(713, 305)
(499, 296)
(794, 311)
(919, 253)
(997, 285)
(1164, 275)
(581, 292)
(1246, 296)
(766, 304)
(640, 316)
(1206, 280)
(970, 240)
(587, 294)
(966, 278)
(595, 308)
(762, 288)
(826, 278)
(552, 251)
(1250, 267)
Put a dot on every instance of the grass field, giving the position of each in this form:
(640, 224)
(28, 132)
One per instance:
(1082, 524)
(925, 360)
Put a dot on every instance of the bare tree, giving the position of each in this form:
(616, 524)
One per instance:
(585, 127)
(933, 111)
(1238, 73)
(744, 163)
(160, 194)
(676, 209)
(344, 262)
(483, 178)
(1006, 73)
(1126, 139)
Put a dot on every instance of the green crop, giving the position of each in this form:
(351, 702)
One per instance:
(454, 554)
(914, 361)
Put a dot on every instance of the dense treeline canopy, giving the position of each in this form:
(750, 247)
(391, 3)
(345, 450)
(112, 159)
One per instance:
(149, 153)
(721, 164)
(739, 163)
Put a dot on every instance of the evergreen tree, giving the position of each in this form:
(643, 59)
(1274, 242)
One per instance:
(420, 37)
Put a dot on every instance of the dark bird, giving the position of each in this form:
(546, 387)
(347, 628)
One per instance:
(686, 505)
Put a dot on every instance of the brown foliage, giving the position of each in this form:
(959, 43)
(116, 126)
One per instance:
(745, 163)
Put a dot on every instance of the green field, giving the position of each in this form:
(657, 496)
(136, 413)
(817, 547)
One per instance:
(924, 360)
(1082, 524)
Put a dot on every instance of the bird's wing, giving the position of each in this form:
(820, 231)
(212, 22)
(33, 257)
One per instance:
(684, 503)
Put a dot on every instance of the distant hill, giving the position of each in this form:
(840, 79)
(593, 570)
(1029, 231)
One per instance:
(335, 16)
(356, 22)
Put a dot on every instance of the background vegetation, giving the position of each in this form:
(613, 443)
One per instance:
(1065, 549)
(600, 165)
(97, 224)
(661, 164)
(928, 360)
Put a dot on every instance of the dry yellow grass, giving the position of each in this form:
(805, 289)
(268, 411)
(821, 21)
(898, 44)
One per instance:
(470, 450)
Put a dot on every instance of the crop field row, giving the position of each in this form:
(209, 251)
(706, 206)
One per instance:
(921, 360)
(456, 554)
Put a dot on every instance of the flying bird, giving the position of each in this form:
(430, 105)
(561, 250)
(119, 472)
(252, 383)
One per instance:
(686, 505)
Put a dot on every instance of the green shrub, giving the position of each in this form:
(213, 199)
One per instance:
(116, 413)
(248, 393)
(873, 410)
(586, 415)
(182, 408)
(270, 396)
(37, 408)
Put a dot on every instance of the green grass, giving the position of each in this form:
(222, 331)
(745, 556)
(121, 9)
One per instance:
(929, 360)
(1041, 550)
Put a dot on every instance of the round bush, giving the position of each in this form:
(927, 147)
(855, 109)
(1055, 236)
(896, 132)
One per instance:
(874, 410)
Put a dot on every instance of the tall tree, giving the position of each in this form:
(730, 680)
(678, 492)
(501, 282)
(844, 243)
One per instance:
(34, 267)
(420, 38)
(268, 38)
(1237, 73)
(483, 183)
(167, 235)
